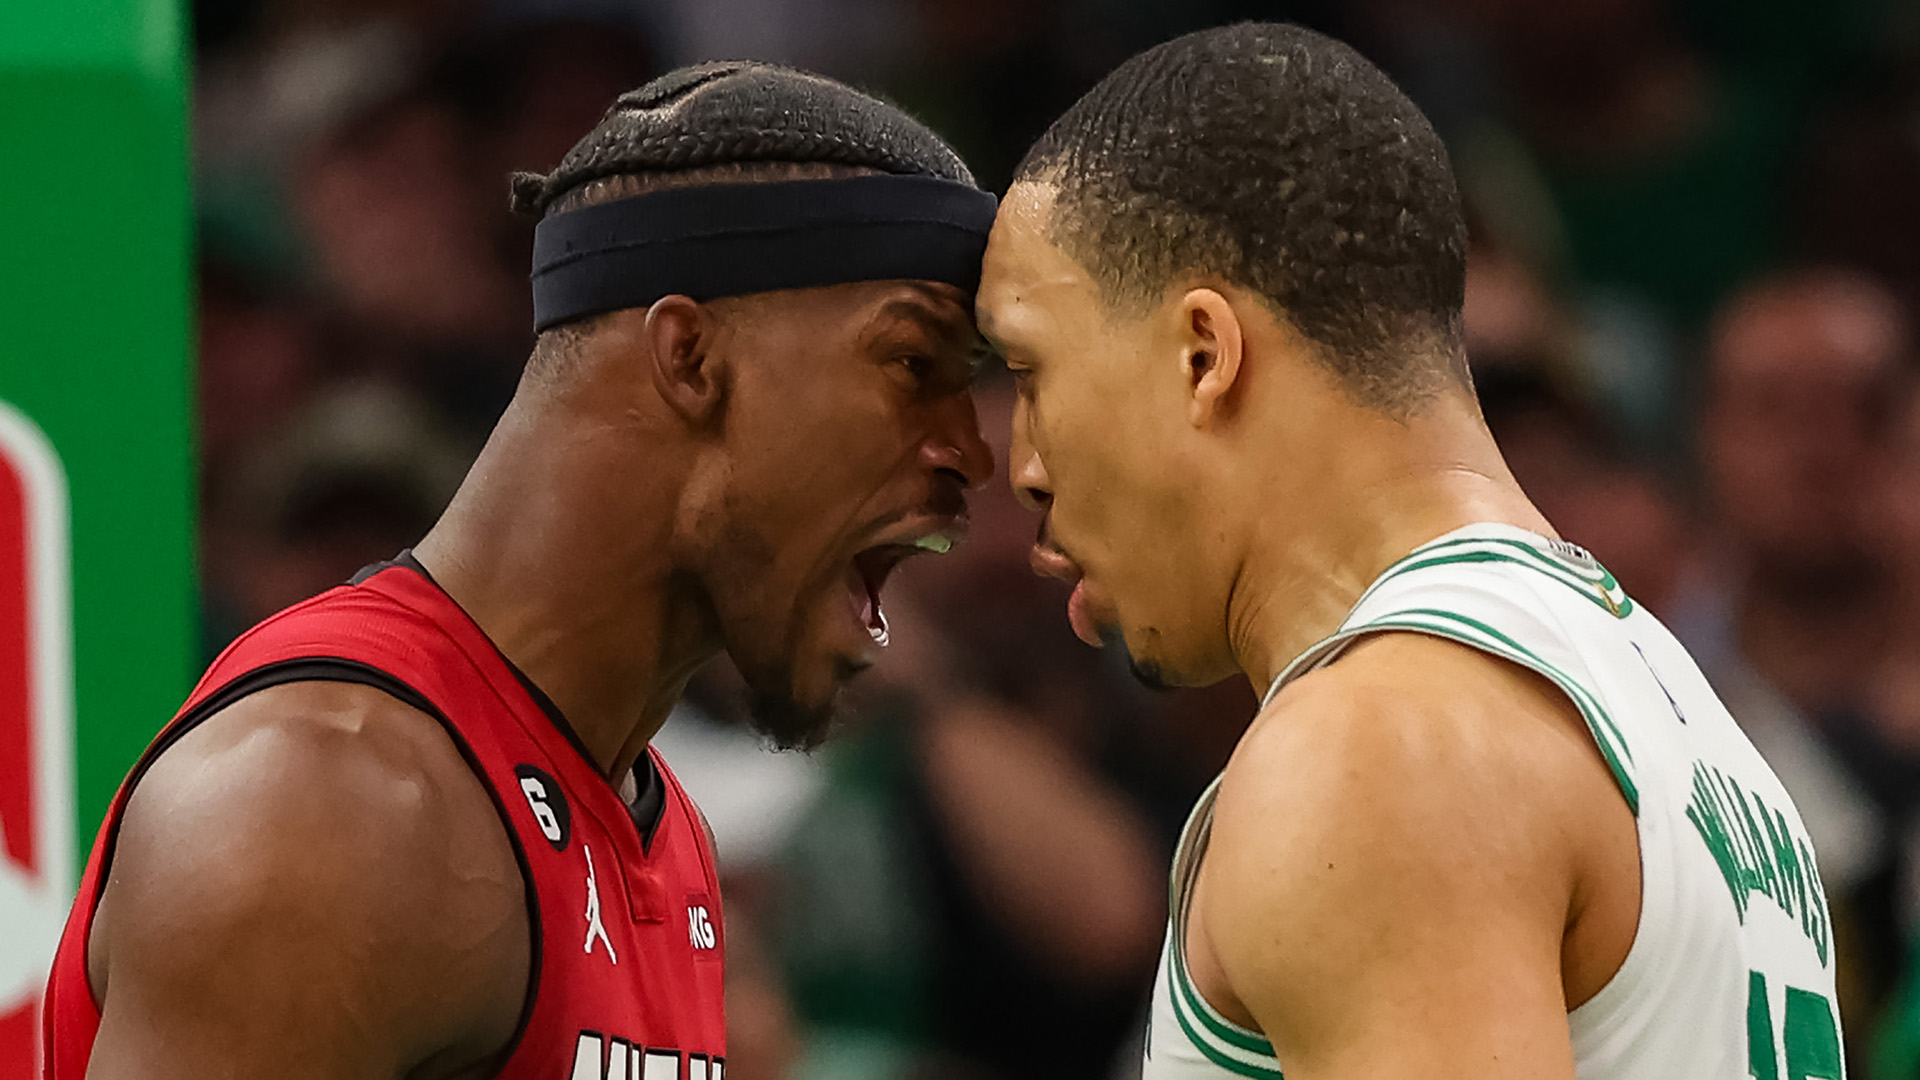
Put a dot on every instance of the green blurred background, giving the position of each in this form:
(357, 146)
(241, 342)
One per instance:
(95, 221)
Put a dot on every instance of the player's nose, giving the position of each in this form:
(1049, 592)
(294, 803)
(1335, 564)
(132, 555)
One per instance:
(957, 446)
(1028, 475)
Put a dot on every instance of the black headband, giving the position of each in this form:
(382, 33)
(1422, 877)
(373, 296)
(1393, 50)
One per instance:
(718, 240)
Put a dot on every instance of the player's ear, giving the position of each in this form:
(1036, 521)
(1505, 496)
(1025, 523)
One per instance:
(1211, 353)
(689, 373)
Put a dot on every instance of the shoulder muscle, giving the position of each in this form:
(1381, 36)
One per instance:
(311, 882)
(1389, 876)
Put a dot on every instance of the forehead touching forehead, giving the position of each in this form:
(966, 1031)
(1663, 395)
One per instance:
(1034, 295)
(943, 312)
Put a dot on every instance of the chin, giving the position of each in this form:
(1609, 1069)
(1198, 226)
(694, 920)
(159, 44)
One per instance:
(788, 724)
(1159, 667)
(793, 719)
(1149, 674)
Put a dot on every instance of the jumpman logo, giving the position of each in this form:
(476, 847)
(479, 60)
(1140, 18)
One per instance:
(595, 928)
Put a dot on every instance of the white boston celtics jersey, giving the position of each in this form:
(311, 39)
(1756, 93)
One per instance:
(1731, 971)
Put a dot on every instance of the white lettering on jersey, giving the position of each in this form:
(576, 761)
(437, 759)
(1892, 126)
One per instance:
(1731, 974)
(588, 1061)
(596, 1057)
(662, 1065)
(620, 1059)
(699, 928)
(536, 794)
(595, 928)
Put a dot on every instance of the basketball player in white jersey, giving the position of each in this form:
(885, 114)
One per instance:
(1491, 822)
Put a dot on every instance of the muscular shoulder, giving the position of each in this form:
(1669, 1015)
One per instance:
(318, 850)
(333, 785)
(1410, 722)
(1396, 822)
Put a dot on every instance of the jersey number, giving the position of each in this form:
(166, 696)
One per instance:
(536, 794)
(1811, 1036)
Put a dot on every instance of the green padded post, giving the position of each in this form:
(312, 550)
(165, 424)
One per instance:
(96, 570)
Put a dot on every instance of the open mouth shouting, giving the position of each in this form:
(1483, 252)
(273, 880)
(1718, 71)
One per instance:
(868, 572)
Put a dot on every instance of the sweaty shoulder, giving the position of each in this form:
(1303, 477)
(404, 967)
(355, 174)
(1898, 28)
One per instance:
(1398, 845)
(311, 882)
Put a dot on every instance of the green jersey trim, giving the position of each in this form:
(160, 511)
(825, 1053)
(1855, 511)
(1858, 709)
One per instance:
(1233, 1065)
(1469, 631)
(1244, 1052)
(1221, 1041)
(1218, 1026)
(1596, 585)
(1239, 1050)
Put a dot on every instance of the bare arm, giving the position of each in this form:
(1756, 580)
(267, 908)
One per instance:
(1396, 862)
(310, 884)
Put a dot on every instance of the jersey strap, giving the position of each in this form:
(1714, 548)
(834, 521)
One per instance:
(1408, 597)
(1716, 985)
(627, 940)
(1238, 1050)
(1568, 564)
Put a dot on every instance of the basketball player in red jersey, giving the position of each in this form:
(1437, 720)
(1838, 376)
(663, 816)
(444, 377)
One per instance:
(412, 827)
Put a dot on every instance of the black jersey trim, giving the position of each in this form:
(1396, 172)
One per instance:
(649, 806)
(339, 669)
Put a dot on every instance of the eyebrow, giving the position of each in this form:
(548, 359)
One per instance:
(980, 351)
(945, 329)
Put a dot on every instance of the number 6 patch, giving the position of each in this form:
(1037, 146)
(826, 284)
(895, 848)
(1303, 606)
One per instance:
(549, 805)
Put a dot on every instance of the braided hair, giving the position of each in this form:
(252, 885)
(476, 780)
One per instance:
(729, 122)
(735, 121)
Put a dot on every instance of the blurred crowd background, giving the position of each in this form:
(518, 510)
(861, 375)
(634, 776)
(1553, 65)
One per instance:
(1695, 270)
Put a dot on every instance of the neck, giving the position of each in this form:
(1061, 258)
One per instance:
(1390, 487)
(559, 546)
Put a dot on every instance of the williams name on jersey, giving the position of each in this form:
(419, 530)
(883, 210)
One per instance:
(1730, 975)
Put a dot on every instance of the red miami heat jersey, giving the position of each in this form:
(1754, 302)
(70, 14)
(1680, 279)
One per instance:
(625, 914)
